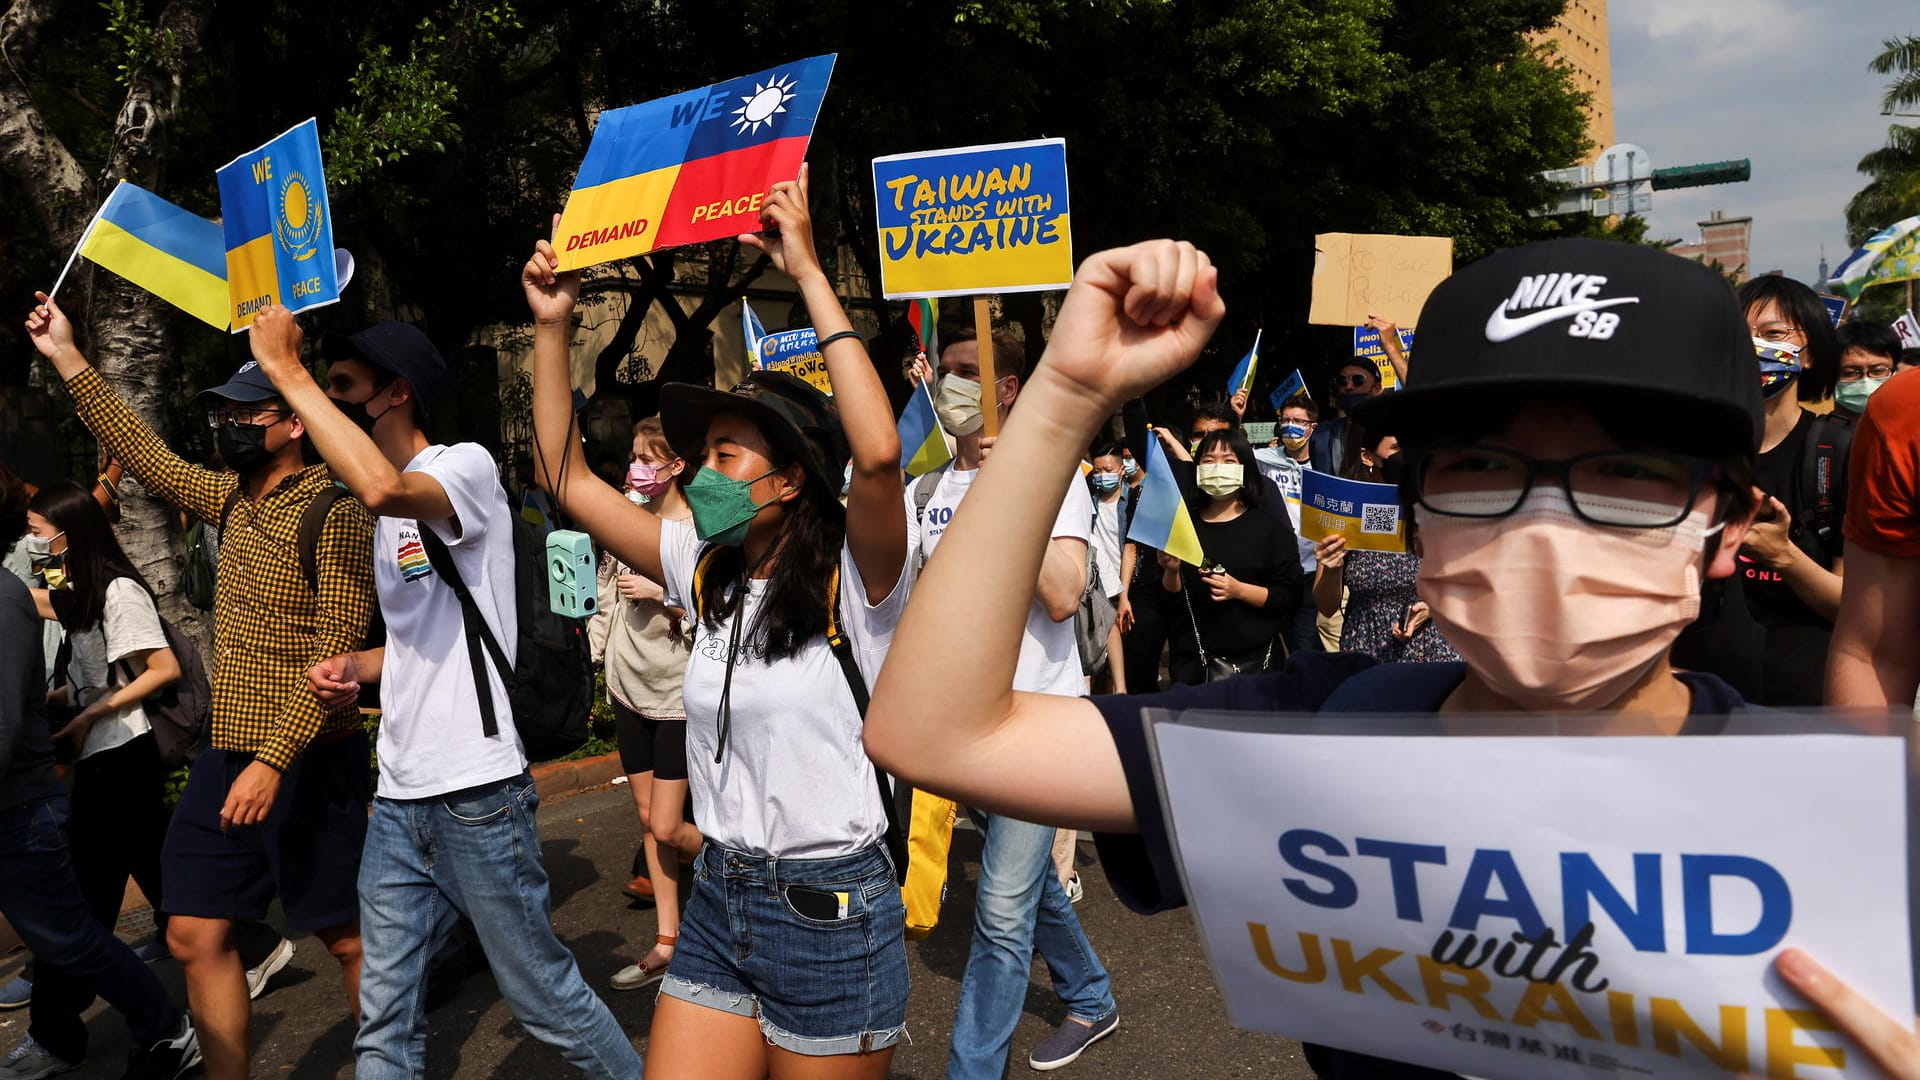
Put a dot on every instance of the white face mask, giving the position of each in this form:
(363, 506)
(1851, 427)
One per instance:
(957, 404)
(1552, 612)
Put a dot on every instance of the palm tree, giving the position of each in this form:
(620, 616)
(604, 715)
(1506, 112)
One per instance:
(1900, 55)
(1893, 190)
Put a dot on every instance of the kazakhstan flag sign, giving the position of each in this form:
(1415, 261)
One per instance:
(279, 233)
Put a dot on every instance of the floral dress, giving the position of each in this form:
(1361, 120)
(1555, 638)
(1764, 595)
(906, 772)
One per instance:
(1380, 585)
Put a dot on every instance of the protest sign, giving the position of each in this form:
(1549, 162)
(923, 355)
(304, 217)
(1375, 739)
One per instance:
(973, 220)
(1836, 308)
(1357, 275)
(1290, 387)
(1366, 346)
(1527, 906)
(796, 352)
(277, 227)
(1908, 328)
(1368, 515)
(691, 167)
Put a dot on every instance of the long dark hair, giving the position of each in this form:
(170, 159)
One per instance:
(1803, 308)
(1236, 444)
(805, 555)
(94, 556)
(1359, 439)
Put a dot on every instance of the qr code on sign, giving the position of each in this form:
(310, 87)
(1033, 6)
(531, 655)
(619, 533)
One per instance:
(1379, 518)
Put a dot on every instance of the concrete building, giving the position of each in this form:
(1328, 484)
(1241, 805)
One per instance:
(1580, 39)
(1724, 243)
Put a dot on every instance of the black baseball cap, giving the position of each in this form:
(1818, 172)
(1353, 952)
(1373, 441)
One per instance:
(399, 349)
(1592, 320)
(798, 419)
(247, 385)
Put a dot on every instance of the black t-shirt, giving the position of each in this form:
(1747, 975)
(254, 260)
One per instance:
(1257, 549)
(1141, 866)
(1796, 637)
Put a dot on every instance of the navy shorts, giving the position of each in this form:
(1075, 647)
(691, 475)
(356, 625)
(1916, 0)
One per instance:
(307, 852)
(755, 941)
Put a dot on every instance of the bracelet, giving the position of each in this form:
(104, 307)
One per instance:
(831, 338)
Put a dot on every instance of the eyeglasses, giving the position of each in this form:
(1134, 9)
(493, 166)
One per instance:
(1878, 371)
(244, 415)
(1352, 380)
(1634, 489)
(1777, 332)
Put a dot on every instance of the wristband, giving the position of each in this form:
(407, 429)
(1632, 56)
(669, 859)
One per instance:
(831, 338)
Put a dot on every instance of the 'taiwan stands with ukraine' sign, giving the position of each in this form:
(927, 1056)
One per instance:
(1532, 896)
(977, 219)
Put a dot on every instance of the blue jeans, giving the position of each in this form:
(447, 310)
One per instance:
(40, 896)
(1020, 908)
(474, 853)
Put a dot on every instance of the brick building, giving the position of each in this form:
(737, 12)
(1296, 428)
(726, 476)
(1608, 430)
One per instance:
(1723, 245)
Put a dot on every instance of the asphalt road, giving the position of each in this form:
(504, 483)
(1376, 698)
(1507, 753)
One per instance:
(1172, 1021)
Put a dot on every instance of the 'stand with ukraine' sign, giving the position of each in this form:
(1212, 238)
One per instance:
(977, 219)
(797, 353)
(279, 232)
(692, 167)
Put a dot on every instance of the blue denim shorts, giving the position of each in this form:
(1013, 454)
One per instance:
(818, 986)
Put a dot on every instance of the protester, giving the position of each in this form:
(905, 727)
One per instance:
(276, 806)
(647, 649)
(1106, 541)
(40, 895)
(116, 656)
(1390, 345)
(1869, 351)
(1241, 602)
(1375, 592)
(1283, 465)
(1021, 906)
(1875, 659)
(1356, 383)
(792, 955)
(1538, 461)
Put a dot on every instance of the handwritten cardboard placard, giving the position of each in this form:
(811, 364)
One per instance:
(1357, 274)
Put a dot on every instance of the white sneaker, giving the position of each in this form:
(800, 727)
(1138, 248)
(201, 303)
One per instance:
(31, 1061)
(1076, 892)
(257, 978)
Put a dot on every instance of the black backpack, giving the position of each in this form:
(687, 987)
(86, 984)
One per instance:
(181, 714)
(1823, 485)
(550, 678)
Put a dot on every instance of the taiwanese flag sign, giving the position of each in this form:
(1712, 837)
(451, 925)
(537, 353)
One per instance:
(691, 167)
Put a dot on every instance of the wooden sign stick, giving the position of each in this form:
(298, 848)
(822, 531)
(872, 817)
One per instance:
(983, 344)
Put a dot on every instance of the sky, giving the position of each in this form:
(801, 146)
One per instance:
(1781, 82)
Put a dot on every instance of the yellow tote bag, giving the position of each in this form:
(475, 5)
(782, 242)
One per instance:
(929, 838)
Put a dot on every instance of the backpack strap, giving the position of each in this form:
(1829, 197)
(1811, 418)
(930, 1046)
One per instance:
(313, 520)
(842, 646)
(475, 626)
(226, 508)
(1823, 479)
(924, 487)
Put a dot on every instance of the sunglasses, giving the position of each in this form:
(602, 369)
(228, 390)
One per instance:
(1346, 381)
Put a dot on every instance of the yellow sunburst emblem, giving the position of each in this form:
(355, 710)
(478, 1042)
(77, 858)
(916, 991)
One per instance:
(296, 219)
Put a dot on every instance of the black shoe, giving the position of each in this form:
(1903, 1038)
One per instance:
(168, 1059)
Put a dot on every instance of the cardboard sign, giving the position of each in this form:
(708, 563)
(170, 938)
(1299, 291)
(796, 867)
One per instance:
(974, 220)
(796, 352)
(1368, 515)
(1506, 905)
(1366, 346)
(278, 228)
(1357, 275)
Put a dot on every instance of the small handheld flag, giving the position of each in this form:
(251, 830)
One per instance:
(923, 445)
(1242, 378)
(1161, 521)
(752, 331)
(174, 254)
(923, 315)
(1290, 387)
(278, 230)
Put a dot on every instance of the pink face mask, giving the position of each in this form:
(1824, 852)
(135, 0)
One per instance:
(1555, 613)
(648, 480)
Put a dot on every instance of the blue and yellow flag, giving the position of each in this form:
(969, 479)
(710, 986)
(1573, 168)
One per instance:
(172, 253)
(753, 332)
(1290, 387)
(1161, 521)
(1242, 377)
(923, 446)
(279, 234)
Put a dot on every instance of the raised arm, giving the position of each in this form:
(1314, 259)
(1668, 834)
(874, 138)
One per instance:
(560, 464)
(876, 529)
(1390, 344)
(945, 716)
(198, 491)
(1875, 655)
(350, 452)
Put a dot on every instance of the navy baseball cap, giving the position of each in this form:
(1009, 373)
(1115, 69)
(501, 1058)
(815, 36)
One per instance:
(247, 384)
(1596, 320)
(399, 349)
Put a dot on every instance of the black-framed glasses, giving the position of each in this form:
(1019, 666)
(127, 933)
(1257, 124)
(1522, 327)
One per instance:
(1878, 371)
(1634, 489)
(244, 415)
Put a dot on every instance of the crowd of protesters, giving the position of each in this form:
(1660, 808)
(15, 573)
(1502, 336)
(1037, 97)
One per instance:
(1714, 506)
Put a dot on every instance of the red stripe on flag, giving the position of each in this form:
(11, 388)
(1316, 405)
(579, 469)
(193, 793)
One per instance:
(719, 197)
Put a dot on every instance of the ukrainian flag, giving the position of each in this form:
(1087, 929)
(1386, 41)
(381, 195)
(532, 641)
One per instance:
(923, 446)
(1290, 387)
(176, 255)
(1242, 377)
(1161, 521)
(691, 167)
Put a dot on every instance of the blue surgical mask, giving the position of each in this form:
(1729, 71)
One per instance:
(1129, 467)
(1106, 483)
(1779, 365)
(1292, 435)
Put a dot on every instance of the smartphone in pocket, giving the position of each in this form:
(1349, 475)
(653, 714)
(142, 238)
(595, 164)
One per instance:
(819, 905)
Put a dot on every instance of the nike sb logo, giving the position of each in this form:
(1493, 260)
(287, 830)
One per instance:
(1548, 298)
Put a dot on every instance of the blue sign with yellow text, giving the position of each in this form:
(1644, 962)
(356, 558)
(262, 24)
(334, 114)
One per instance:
(796, 352)
(1368, 515)
(976, 219)
(279, 233)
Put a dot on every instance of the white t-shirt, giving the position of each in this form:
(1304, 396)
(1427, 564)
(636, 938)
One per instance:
(431, 741)
(1285, 472)
(794, 781)
(1049, 654)
(1107, 541)
(129, 623)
